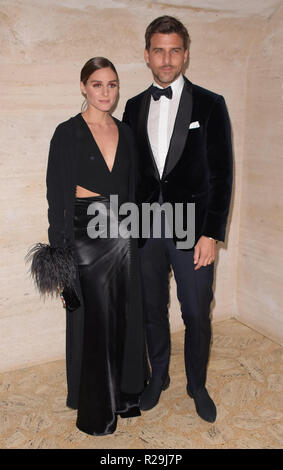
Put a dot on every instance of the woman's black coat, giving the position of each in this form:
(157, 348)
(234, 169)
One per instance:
(61, 192)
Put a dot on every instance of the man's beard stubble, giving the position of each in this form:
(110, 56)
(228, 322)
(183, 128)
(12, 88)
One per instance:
(167, 81)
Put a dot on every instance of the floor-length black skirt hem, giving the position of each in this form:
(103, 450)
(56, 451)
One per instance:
(131, 413)
(92, 433)
(104, 265)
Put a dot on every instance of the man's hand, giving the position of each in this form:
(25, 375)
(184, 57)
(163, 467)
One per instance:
(204, 252)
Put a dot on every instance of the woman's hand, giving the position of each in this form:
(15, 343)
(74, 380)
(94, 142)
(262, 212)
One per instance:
(61, 296)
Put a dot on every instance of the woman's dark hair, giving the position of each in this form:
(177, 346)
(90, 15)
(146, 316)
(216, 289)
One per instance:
(167, 25)
(96, 63)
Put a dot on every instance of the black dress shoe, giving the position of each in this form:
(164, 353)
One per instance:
(150, 396)
(205, 406)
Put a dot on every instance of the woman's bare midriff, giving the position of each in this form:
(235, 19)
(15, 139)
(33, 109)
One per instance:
(83, 192)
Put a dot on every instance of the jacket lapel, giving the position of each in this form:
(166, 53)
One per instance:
(181, 128)
(142, 130)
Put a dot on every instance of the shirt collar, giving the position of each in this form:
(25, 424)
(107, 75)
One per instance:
(177, 85)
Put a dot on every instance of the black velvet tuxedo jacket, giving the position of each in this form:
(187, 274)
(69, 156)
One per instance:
(198, 166)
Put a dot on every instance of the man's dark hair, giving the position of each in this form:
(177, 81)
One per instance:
(167, 25)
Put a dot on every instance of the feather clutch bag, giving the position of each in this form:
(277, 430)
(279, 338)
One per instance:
(53, 270)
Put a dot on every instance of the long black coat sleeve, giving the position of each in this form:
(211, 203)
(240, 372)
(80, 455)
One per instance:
(55, 190)
(53, 265)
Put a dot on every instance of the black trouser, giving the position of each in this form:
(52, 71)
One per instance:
(194, 291)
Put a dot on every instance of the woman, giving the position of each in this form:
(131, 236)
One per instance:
(91, 158)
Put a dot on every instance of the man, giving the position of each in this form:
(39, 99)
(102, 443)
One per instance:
(184, 142)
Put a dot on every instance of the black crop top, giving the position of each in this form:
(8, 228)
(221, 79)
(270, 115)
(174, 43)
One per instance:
(93, 172)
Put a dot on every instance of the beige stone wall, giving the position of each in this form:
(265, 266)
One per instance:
(43, 45)
(260, 271)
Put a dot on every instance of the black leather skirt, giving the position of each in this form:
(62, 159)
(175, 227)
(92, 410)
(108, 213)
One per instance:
(104, 272)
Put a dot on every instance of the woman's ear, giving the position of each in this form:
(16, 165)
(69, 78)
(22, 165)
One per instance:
(83, 90)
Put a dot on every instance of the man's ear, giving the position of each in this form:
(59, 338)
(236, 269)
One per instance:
(186, 56)
(146, 56)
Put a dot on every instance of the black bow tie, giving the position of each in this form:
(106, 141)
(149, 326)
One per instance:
(157, 92)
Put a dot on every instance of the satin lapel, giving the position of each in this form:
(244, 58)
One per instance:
(181, 128)
(142, 129)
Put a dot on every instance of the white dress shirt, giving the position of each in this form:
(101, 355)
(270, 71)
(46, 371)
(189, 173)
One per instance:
(161, 120)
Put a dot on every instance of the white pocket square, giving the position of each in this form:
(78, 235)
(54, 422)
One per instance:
(194, 125)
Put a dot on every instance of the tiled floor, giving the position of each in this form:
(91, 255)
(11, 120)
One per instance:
(245, 379)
